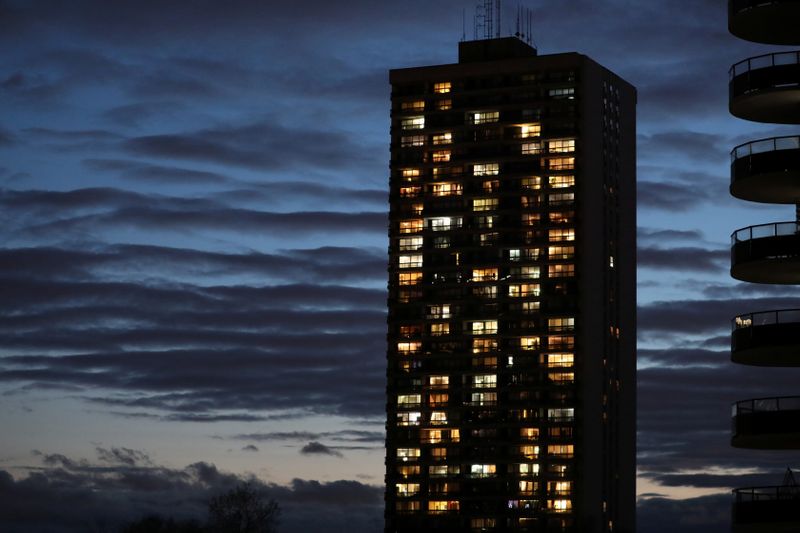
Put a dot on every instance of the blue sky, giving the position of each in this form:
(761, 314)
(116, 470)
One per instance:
(193, 203)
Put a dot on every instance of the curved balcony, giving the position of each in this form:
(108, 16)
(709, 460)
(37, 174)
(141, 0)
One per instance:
(766, 88)
(769, 338)
(766, 509)
(768, 253)
(764, 21)
(767, 423)
(767, 170)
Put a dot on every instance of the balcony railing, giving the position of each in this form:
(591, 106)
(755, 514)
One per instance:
(766, 405)
(789, 142)
(763, 61)
(762, 505)
(762, 231)
(765, 318)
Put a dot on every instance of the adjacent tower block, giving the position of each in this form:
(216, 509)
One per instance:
(766, 89)
(511, 396)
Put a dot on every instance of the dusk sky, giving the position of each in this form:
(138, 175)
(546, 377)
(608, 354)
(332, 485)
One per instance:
(193, 221)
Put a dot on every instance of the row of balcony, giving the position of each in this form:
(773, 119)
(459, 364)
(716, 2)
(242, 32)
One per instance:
(766, 88)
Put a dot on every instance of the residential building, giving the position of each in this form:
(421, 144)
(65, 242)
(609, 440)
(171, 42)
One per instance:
(511, 395)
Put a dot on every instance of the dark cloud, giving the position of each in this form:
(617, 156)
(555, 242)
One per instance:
(705, 514)
(250, 448)
(660, 236)
(71, 496)
(317, 448)
(670, 196)
(347, 435)
(264, 145)
(698, 146)
(683, 259)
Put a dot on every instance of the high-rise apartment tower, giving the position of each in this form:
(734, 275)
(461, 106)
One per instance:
(511, 363)
(766, 89)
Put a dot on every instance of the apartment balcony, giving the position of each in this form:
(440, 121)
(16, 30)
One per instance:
(767, 253)
(764, 21)
(766, 88)
(767, 423)
(767, 170)
(770, 338)
(766, 509)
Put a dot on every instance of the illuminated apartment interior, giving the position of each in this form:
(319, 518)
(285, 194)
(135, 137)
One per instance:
(511, 344)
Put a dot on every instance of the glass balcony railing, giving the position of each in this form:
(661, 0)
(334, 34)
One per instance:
(791, 142)
(766, 405)
(766, 318)
(762, 231)
(776, 59)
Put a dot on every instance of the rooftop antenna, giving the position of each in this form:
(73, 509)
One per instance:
(463, 24)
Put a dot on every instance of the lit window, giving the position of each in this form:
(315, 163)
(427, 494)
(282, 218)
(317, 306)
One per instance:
(443, 470)
(566, 92)
(482, 524)
(561, 198)
(484, 327)
(484, 274)
(484, 398)
(556, 235)
(560, 414)
(514, 255)
(560, 182)
(413, 123)
(531, 148)
(484, 345)
(441, 156)
(409, 400)
(561, 377)
(529, 433)
(560, 488)
(484, 204)
(407, 489)
(487, 169)
(411, 418)
(410, 243)
(411, 226)
(484, 117)
(529, 343)
(438, 399)
(559, 506)
(561, 324)
(408, 454)
(561, 252)
(487, 239)
(439, 453)
(559, 360)
(533, 182)
(412, 140)
(410, 174)
(408, 470)
(482, 470)
(529, 308)
(485, 222)
(444, 223)
(561, 271)
(446, 189)
(561, 163)
(439, 311)
(407, 507)
(528, 469)
(406, 348)
(409, 261)
(416, 105)
(530, 219)
(484, 381)
(524, 290)
(442, 87)
(560, 342)
(561, 146)
(527, 272)
(530, 201)
(439, 382)
(561, 217)
(438, 418)
(440, 329)
(409, 278)
(442, 506)
(527, 488)
(444, 104)
(443, 138)
(410, 192)
(530, 130)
